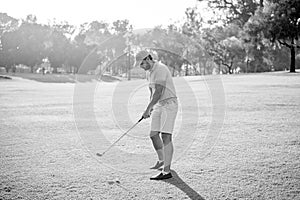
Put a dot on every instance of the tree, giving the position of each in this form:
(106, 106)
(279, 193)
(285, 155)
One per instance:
(121, 32)
(195, 51)
(96, 33)
(225, 46)
(77, 52)
(279, 57)
(98, 39)
(25, 45)
(58, 44)
(236, 11)
(7, 50)
(110, 42)
(285, 26)
(121, 26)
(7, 23)
(279, 21)
(169, 44)
(32, 44)
(57, 51)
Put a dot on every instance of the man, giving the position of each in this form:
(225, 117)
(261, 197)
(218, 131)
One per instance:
(163, 108)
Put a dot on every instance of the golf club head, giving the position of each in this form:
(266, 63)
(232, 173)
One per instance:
(99, 154)
(110, 182)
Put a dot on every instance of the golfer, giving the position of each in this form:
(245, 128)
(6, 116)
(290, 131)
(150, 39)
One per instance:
(163, 108)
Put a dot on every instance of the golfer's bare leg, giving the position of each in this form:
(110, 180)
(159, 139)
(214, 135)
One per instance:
(157, 144)
(168, 150)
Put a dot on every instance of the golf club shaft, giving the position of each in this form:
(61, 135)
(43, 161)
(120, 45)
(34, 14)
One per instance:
(113, 144)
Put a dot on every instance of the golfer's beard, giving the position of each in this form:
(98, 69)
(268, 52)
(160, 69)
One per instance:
(148, 67)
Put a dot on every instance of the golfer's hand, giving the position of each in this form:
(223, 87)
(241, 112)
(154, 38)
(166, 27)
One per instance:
(147, 113)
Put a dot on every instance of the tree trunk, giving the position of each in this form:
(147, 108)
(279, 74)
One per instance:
(14, 69)
(54, 70)
(7, 69)
(173, 73)
(129, 67)
(261, 3)
(186, 70)
(293, 58)
(229, 69)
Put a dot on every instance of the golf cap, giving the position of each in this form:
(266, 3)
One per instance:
(140, 56)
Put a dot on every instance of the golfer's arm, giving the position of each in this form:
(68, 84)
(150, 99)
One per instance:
(156, 96)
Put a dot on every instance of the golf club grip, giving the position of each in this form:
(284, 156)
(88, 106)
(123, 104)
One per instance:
(141, 119)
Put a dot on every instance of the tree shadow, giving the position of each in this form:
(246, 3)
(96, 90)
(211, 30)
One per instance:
(180, 184)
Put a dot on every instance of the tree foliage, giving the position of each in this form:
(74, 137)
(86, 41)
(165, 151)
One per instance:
(248, 38)
(236, 11)
(279, 22)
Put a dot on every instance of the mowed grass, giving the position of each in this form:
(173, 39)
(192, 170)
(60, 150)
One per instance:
(61, 78)
(51, 131)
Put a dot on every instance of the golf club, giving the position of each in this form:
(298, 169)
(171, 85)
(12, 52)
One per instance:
(113, 144)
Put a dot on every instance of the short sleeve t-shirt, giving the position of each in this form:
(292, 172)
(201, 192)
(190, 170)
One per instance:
(160, 74)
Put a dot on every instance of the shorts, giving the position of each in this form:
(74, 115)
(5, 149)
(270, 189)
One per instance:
(163, 116)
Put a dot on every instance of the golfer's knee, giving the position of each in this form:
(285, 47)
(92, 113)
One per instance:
(154, 135)
(166, 138)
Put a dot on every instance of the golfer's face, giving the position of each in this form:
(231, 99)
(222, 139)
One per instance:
(145, 65)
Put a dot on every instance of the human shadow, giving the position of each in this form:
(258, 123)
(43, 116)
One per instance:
(180, 184)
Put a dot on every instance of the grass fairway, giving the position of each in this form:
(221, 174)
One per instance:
(60, 78)
(48, 142)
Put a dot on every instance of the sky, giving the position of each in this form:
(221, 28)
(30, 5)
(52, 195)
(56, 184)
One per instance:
(140, 13)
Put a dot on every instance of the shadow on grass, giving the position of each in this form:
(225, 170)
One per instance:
(5, 77)
(180, 184)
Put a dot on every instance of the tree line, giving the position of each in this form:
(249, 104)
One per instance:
(242, 36)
